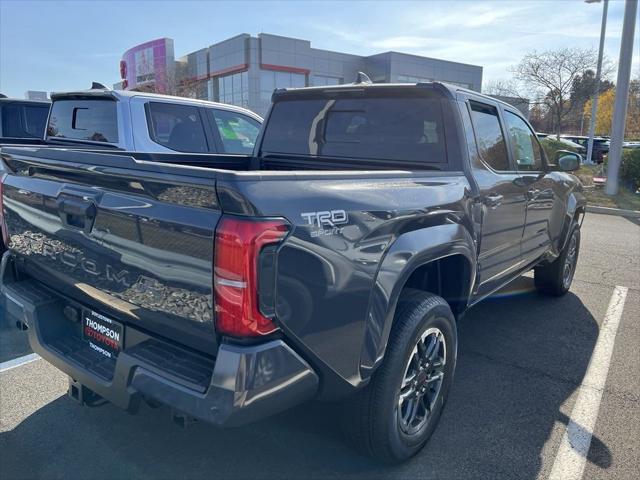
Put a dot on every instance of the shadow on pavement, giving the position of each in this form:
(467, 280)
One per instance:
(634, 220)
(520, 356)
(13, 343)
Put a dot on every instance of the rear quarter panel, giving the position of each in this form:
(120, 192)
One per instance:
(327, 275)
(570, 198)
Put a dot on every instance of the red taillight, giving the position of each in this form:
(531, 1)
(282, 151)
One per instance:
(235, 278)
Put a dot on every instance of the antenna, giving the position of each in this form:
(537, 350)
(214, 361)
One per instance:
(362, 78)
(98, 86)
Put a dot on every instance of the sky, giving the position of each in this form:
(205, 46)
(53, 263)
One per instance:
(58, 46)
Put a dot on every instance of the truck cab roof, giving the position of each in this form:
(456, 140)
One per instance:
(444, 87)
(25, 101)
(125, 95)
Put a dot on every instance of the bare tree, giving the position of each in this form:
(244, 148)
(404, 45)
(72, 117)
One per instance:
(503, 88)
(552, 73)
(182, 82)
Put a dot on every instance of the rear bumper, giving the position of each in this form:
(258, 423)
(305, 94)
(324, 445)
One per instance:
(242, 384)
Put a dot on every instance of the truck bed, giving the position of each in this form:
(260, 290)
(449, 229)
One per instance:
(137, 245)
(133, 234)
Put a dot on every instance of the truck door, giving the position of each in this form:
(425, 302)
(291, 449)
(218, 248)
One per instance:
(503, 201)
(536, 186)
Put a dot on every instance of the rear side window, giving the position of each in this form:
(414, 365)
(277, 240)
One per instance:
(11, 122)
(35, 120)
(92, 120)
(489, 136)
(386, 128)
(237, 132)
(24, 121)
(178, 127)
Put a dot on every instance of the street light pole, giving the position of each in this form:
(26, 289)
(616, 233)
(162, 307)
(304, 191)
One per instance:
(596, 92)
(622, 96)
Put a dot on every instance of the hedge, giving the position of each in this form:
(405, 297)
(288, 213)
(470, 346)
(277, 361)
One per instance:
(630, 168)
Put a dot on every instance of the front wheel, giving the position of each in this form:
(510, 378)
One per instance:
(556, 277)
(392, 418)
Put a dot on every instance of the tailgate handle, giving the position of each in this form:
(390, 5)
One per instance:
(77, 213)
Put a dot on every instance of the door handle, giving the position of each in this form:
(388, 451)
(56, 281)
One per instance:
(493, 200)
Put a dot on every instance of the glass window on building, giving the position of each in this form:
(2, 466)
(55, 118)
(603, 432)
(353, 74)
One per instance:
(270, 80)
(233, 89)
(212, 89)
(202, 64)
(414, 79)
(322, 80)
(298, 80)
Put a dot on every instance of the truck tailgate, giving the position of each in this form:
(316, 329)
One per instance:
(131, 240)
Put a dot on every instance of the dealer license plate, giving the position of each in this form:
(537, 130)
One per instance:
(104, 335)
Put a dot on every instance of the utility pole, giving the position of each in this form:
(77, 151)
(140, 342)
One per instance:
(596, 93)
(622, 96)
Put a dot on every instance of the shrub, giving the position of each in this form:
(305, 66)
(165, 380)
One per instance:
(630, 168)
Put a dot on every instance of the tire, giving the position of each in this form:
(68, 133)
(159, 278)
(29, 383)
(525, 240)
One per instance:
(374, 418)
(555, 278)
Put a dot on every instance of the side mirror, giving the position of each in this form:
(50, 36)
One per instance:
(567, 161)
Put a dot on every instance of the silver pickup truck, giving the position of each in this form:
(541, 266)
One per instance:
(145, 122)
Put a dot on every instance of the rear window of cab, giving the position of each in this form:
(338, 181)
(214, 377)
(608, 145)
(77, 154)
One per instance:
(84, 120)
(408, 129)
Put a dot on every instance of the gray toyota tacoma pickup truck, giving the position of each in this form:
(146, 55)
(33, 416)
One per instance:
(332, 263)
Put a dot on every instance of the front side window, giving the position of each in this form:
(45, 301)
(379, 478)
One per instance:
(525, 147)
(237, 132)
(92, 120)
(177, 127)
(491, 143)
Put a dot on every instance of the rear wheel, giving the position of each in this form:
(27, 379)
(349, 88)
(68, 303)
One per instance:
(556, 277)
(393, 417)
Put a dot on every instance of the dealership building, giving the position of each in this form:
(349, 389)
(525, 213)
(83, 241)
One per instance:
(244, 70)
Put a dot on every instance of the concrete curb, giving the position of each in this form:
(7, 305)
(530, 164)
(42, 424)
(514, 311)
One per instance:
(613, 211)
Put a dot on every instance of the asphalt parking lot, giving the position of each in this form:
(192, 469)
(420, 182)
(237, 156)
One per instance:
(522, 360)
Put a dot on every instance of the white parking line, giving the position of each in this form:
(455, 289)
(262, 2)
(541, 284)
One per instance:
(16, 362)
(572, 453)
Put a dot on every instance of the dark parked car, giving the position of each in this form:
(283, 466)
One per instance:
(332, 263)
(600, 146)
